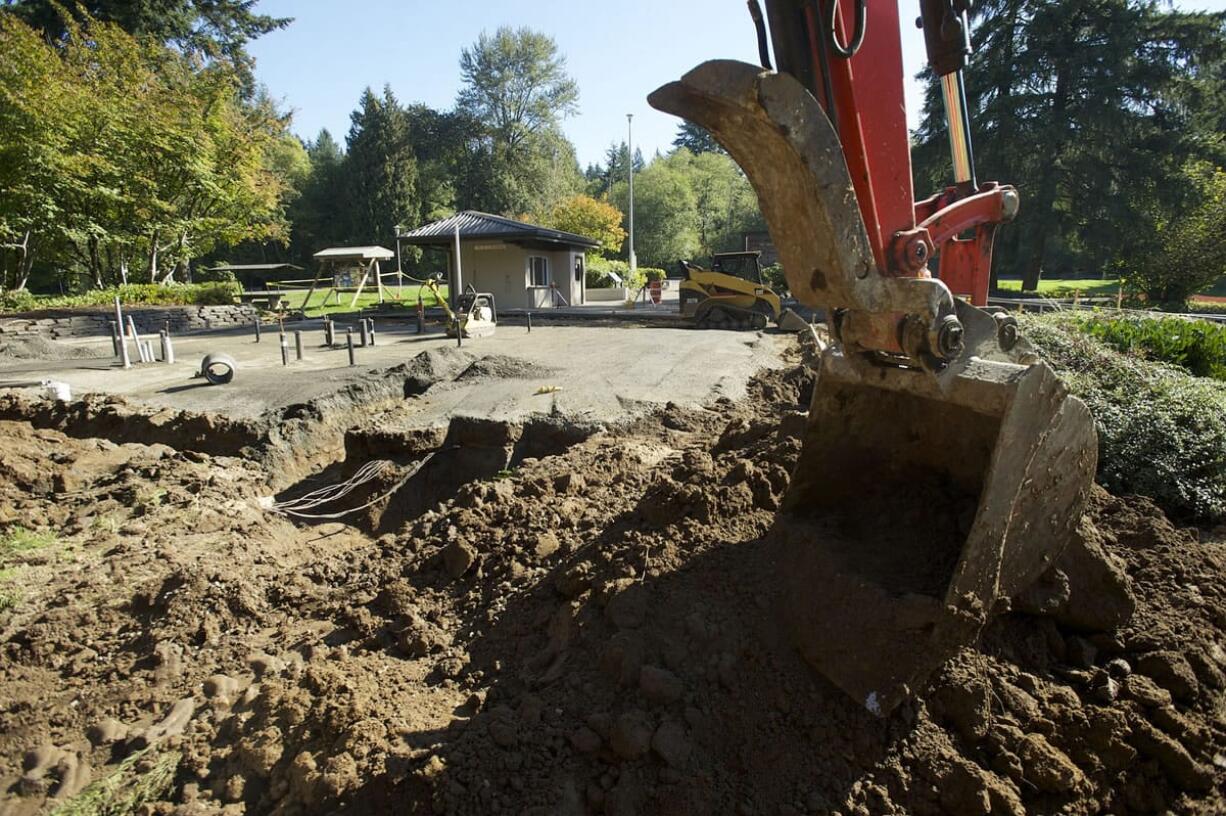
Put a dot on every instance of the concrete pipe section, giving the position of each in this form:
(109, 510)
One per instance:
(218, 368)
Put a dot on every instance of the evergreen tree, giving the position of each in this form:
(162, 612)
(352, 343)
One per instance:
(215, 29)
(696, 139)
(1093, 110)
(380, 170)
(315, 213)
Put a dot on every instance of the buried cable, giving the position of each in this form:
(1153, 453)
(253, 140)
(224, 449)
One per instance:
(366, 473)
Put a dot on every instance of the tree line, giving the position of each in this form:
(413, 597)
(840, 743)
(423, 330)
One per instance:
(138, 145)
(1110, 118)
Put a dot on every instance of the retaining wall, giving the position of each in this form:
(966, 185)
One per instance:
(149, 319)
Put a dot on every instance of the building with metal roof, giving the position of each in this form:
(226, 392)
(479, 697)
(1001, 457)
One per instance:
(523, 265)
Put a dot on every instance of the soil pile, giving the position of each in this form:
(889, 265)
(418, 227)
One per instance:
(37, 347)
(505, 367)
(589, 632)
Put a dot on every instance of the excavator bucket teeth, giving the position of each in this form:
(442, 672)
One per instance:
(922, 502)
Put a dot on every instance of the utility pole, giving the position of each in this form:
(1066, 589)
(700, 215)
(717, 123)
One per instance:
(630, 168)
(399, 269)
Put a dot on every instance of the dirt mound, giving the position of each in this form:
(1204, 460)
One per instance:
(589, 632)
(37, 347)
(434, 366)
(503, 367)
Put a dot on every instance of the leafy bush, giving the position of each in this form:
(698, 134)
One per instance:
(134, 294)
(1161, 431)
(1206, 307)
(1196, 345)
(774, 278)
(19, 301)
(651, 273)
(202, 274)
(597, 275)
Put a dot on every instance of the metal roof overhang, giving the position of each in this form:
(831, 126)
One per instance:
(517, 238)
(363, 253)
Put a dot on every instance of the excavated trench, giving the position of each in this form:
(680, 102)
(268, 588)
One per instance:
(328, 438)
(545, 619)
(425, 467)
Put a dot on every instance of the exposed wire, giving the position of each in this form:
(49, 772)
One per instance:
(326, 495)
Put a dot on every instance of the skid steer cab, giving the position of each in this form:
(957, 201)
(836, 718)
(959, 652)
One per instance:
(729, 295)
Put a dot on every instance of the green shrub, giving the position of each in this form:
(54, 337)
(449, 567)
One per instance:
(134, 294)
(204, 275)
(1196, 345)
(774, 278)
(20, 301)
(1206, 307)
(597, 275)
(1161, 431)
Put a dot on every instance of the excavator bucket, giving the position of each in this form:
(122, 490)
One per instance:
(923, 500)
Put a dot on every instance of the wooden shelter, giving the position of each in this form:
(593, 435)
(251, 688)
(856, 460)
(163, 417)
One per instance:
(339, 259)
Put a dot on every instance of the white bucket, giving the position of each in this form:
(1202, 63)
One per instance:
(57, 390)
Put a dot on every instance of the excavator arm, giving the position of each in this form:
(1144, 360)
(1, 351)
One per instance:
(944, 467)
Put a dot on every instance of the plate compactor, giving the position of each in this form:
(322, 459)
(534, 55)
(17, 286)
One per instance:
(944, 466)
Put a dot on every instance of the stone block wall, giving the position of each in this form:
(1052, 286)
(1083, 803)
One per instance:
(149, 320)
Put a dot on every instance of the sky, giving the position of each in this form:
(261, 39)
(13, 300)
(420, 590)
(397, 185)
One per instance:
(618, 51)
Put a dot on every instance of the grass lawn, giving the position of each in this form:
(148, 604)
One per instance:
(317, 307)
(1058, 287)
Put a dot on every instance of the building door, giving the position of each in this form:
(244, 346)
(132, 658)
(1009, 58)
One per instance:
(579, 290)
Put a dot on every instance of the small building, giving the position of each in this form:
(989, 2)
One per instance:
(522, 265)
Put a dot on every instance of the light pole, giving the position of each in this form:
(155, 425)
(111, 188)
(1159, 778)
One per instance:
(399, 268)
(630, 169)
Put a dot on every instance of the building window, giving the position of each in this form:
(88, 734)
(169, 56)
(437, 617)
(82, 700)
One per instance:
(538, 270)
(578, 269)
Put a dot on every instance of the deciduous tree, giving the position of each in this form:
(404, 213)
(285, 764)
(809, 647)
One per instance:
(584, 215)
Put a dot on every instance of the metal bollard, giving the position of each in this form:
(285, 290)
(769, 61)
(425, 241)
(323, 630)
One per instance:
(114, 338)
(421, 323)
(257, 328)
(529, 322)
(284, 351)
(349, 342)
(362, 331)
(371, 329)
(168, 350)
(123, 344)
(298, 344)
(136, 341)
(329, 333)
